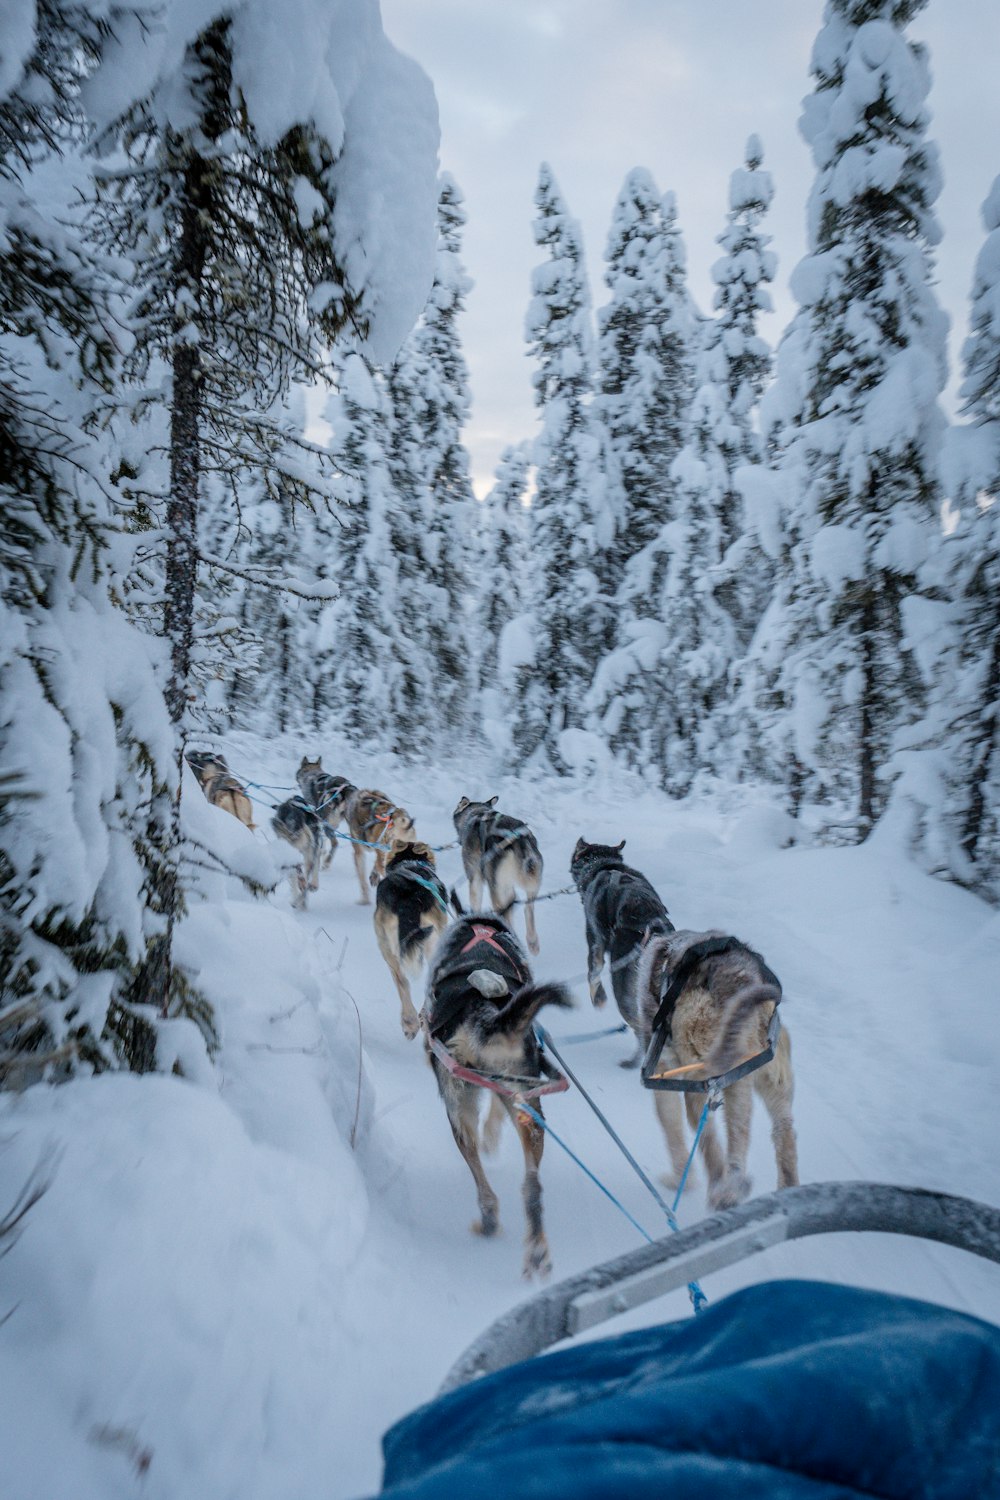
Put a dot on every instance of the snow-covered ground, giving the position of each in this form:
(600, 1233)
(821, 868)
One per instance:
(218, 1296)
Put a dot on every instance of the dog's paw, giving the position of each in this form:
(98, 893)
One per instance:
(730, 1191)
(537, 1261)
(411, 1025)
(365, 900)
(373, 878)
(599, 996)
(486, 1227)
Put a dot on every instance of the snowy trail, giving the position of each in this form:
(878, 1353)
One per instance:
(875, 1099)
(217, 1279)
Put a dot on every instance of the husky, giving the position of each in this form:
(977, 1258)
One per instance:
(481, 1004)
(374, 820)
(297, 823)
(502, 851)
(411, 912)
(220, 785)
(327, 795)
(722, 996)
(622, 912)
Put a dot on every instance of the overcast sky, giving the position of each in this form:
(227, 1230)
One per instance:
(596, 87)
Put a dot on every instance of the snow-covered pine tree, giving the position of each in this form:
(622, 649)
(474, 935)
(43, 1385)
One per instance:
(950, 783)
(504, 569)
(571, 522)
(84, 741)
(435, 502)
(737, 361)
(649, 341)
(231, 228)
(860, 371)
(648, 336)
(367, 655)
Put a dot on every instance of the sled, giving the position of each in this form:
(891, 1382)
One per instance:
(789, 1389)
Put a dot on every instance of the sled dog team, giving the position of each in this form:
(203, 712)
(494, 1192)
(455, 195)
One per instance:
(481, 1000)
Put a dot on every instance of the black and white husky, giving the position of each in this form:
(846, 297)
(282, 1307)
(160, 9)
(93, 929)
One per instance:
(481, 1003)
(502, 851)
(622, 912)
(297, 823)
(411, 912)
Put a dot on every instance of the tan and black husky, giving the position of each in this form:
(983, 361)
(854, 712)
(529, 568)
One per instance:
(480, 1005)
(411, 912)
(725, 996)
(374, 821)
(502, 851)
(220, 785)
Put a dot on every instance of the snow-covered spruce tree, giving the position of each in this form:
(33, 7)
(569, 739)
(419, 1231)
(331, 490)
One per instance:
(363, 679)
(227, 207)
(432, 532)
(571, 524)
(977, 767)
(504, 569)
(649, 341)
(648, 335)
(950, 784)
(84, 741)
(736, 360)
(860, 371)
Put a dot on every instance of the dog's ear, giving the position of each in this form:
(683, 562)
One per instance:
(493, 801)
(581, 844)
(463, 803)
(620, 846)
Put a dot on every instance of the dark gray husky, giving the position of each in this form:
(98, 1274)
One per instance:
(327, 796)
(297, 823)
(622, 912)
(502, 851)
(481, 1003)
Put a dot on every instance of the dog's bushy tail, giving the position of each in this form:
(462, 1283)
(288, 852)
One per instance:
(731, 1044)
(519, 1012)
(649, 978)
(411, 943)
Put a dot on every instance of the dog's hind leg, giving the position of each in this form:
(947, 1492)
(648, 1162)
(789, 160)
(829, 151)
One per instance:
(493, 1124)
(299, 885)
(409, 1019)
(537, 1260)
(668, 1111)
(359, 865)
(463, 1117)
(733, 1185)
(775, 1085)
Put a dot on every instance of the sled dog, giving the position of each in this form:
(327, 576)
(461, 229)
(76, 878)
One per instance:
(327, 796)
(374, 821)
(411, 912)
(297, 823)
(721, 996)
(622, 913)
(220, 785)
(502, 851)
(481, 1003)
